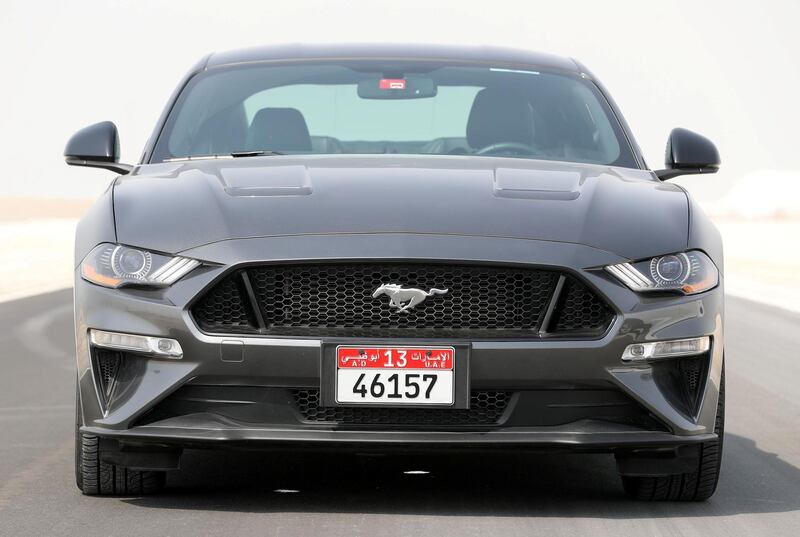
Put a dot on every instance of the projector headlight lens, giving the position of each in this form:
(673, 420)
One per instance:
(670, 268)
(115, 265)
(686, 272)
(131, 262)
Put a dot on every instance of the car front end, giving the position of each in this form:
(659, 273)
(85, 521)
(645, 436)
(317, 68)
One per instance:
(397, 302)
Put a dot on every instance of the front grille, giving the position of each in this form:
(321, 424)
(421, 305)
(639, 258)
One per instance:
(486, 408)
(335, 300)
(226, 306)
(578, 309)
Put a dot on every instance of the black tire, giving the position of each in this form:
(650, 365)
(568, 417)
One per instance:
(97, 478)
(695, 486)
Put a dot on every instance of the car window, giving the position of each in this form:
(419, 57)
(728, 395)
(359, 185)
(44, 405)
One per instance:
(388, 107)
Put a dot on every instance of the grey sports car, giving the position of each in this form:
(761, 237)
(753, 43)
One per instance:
(414, 248)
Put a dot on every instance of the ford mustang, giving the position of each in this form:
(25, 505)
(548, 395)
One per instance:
(397, 248)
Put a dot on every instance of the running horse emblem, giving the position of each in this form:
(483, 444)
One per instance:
(405, 298)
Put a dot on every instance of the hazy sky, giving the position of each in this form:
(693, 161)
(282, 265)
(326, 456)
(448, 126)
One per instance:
(728, 72)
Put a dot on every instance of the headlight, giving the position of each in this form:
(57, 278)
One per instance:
(686, 272)
(114, 265)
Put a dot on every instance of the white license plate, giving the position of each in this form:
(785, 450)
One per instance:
(395, 375)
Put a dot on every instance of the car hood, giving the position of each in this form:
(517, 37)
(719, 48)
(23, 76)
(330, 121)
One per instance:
(175, 206)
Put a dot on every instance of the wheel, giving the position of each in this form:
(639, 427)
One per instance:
(692, 486)
(95, 477)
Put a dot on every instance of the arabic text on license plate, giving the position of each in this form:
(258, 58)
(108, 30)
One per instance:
(395, 375)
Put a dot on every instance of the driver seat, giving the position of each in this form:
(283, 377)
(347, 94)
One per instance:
(499, 116)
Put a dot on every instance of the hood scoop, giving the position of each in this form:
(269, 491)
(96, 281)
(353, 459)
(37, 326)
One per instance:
(267, 181)
(542, 185)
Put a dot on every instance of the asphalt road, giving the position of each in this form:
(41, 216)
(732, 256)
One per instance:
(235, 493)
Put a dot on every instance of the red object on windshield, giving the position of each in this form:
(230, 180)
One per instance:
(392, 83)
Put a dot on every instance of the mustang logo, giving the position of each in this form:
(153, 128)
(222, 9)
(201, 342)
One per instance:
(405, 298)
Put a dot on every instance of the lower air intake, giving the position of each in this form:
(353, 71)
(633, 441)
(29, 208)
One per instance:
(107, 365)
(486, 408)
(693, 372)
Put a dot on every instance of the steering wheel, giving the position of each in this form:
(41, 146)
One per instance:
(501, 147)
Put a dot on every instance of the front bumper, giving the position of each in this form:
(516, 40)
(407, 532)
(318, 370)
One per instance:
(135, 413)
(202, 432)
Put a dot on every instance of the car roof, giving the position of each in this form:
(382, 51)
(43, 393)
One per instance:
(478, 54)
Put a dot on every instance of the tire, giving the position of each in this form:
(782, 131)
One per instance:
(695, 486)
(97, 478)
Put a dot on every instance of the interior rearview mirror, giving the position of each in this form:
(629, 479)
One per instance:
(688, 153)
(96, 146)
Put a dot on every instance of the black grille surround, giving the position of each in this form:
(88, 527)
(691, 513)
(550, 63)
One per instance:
(335, 300)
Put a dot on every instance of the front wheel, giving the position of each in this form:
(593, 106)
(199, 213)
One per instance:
(695, 486)
(97, 478)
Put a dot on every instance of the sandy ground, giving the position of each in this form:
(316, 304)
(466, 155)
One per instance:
(34, 208)
(762, 257)
(36, 256)
(762, 260)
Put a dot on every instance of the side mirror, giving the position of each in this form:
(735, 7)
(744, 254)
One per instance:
(688, 153)
(96, 146)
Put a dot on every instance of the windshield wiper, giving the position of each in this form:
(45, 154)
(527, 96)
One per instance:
(195, 157)
(259, 153)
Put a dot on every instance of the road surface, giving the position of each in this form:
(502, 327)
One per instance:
(246, 493)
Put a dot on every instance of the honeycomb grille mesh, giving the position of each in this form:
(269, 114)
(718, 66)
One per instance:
(335, 300)
(225, 306)
(691, 371)
(579, 310)
(338, 299)
(107, 365)
(692, 374)
(486, 408)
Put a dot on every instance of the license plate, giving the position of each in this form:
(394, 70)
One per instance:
(395, 375)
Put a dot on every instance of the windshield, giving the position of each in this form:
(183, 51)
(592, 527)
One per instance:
(394, 107)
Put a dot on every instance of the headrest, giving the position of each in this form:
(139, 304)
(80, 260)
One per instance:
(499, 116)
(278, 129)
